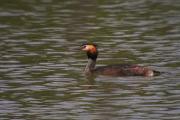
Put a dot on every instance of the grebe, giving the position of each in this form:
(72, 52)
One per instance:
(113, 70)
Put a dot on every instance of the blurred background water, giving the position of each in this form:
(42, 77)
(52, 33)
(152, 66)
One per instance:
(41, 65)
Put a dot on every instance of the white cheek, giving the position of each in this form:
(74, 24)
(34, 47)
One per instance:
(87, 48)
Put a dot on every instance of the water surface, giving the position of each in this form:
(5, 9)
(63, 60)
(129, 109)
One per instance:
(41, 65)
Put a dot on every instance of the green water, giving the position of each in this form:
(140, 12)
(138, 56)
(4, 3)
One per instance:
(41, 65)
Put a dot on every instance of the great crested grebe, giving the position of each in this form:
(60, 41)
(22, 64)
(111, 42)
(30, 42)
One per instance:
(113, 70)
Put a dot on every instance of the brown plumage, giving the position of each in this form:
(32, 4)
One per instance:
(114, 70)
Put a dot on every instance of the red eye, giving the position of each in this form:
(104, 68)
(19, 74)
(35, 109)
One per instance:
(84, 46)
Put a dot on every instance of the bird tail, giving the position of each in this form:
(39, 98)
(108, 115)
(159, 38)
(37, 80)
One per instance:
(156, 73)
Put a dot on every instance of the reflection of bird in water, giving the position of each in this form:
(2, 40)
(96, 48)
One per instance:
(113, 70)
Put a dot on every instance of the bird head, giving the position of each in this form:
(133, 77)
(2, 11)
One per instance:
(91, 50)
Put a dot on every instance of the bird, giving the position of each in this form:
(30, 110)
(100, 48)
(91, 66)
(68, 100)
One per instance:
(115, 69)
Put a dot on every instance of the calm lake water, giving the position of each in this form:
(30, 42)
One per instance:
(41, 65)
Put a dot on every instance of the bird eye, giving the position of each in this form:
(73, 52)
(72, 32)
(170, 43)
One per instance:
(84, 46)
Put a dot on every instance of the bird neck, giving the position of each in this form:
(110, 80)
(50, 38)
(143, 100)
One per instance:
(90, 66)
